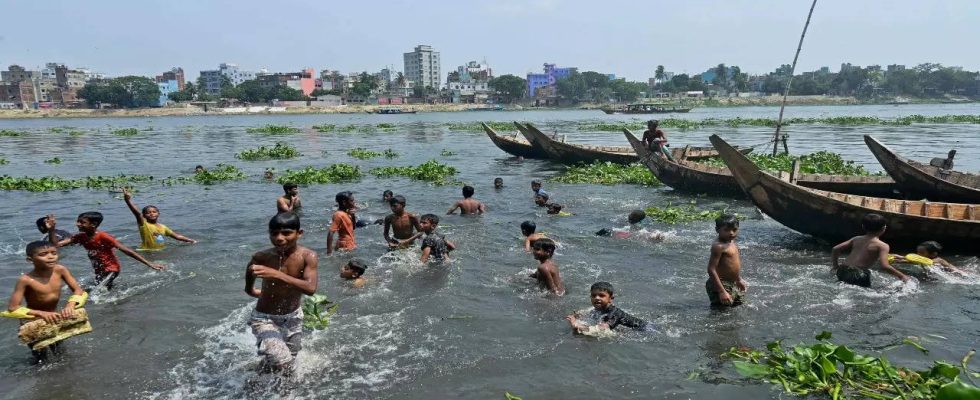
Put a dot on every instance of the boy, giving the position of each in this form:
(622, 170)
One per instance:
(41, 288)
(288, 271)
(43, 228)
(386, 196)
(290, 200)
(864, 250)
(434, 246)
(151, 231)
(100, 247)
(269, 174)
(535, 186)
(353, 271)
(527, 229)
(498, 183)
(198, 169)
(541, 198)
(634, 229)
(547, 273)
(342, 224)
(725, 285)
(604, 315)
(656, 140)
(468, 205)
(403, 223)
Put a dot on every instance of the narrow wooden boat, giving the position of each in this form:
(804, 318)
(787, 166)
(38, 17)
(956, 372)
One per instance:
(392, 111)
(699, 178)
(931, 181)
(515, 146)
(576, 153)
(837, 216)
(644, 109)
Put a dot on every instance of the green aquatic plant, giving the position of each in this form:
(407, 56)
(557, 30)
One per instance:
(317, 310)
(331, 174)
(834, 371)
(55, 160)
(48, 183)
(210, 176)
(361, 153)
(385, 126)
(10, 133)
(3, 161)
(324, 128)
(686, 124)
(447, 153)
(126, 132)
(688, 212)
(429, 171)
(508, 396)
(389, 153)
(281, 151)
(478, 127)
(821, 162)
(273, 129)
(349, 128)
(607, 173)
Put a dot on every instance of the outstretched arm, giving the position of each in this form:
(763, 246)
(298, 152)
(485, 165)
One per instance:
(883, 260)
(132, 207)
(947, 266)
(136, 256)
(180, 237)
(453, 208)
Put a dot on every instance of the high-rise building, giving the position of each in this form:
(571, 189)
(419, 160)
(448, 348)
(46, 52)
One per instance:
(548, 79)
(422, 67)
(211, 80)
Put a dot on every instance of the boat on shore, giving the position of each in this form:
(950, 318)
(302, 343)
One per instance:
(934, 181)
(569, 153)
(837, 216)
(693, 177)
(515, 146)
(395, 110)
(647, 108)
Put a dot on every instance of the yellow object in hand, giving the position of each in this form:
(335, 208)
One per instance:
(79, 299)
(20, 313)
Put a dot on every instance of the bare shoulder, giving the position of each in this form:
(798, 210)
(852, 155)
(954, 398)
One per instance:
(61, 270)
(263, 255)
(719, 247)
(308, 255)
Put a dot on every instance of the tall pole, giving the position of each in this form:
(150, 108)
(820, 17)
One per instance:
(779, 123)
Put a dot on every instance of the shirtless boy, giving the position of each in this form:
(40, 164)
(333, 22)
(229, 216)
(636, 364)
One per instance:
(353, 272)
(290, 200)
(864, 251)
(547, 273)
(288, 271)
(528, 229)
(468, 205)
(725, 285)
(403, 223)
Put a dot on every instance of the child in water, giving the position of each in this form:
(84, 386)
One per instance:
(434, 245)
(43, 228)
(403, 223)
(527, 229)
(929, 249)
(152, 232)
(604, 315)
(725, 285)
(289, 201)
(635, 230)
(864, 251)
(547, 272)
(468, 205)
(386, 196)
(342, 224)
(498, 183)
(353, 271)
(541, 198)
(288, 271)
(535, 186)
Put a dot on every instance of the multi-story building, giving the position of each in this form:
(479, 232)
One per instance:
(175, 74)
(550, 76)
(422, 66)
(211, 79)
(18, 94)
(470, 83)
(304, 81)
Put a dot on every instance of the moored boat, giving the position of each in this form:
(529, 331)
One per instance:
(576, 153)
(393, 111)
(837, 216)
(934, 181)
(516, 145)
(645, 109)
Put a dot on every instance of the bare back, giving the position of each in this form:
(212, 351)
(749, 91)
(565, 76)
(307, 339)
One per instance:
(548, 277)
(280, 297)
(864, 251)
(468, 206)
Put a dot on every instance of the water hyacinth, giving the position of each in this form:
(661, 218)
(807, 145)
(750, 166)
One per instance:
(324, 128)
(477, 127)
(281, 151)
(689, 212)
(10, 133)
(273, 129)
(210, 176)
(361, 153)
(389, 153)
(386, 126)
(447, 153)
(821, 162)
(48, 183)
(429, 171)
(607, 173)
(317, 310)
(55, 160)
(3, 161)
(333, 173)
(126, 132)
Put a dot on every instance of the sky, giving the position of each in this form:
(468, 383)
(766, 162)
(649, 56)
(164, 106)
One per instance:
(626, 38)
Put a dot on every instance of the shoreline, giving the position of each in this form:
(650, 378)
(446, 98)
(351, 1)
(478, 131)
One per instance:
(187, 110)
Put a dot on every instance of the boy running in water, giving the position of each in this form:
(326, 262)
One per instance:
(288, 271)
(864, 251)
(100, 246)
(434, 245)
(604, 315)
(343, 224)
(468, 205)
(290, 200)
(152, 232)
(547, 273)
(404, 224)
(725, 285)
(527, 229)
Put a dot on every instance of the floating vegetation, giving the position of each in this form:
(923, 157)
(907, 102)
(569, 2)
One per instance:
(447, 153)
(429, 171)
(273, 130)
(687, 124)
(3, 161)
(7, 132)
(821, 162)
(837, 372)
(477, 127)
(389, 153)
(331, 174)
(689, 212)
(317, 310)
(55, 160)
(281, 151)
(361, 153)
(126, 132)
(607, 173)
(47, 183)
(210, 176)
(324, 128)
(386, 126)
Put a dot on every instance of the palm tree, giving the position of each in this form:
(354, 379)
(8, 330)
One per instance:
(400, 79)
(660, 74)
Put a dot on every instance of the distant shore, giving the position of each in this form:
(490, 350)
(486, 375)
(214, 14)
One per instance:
(187, 110)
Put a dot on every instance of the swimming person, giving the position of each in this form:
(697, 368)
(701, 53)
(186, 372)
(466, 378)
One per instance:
(527, 229)
(152, 232)
(342, 224)
(468, 205)
(725, 285)
(604, 315)
(353, 271)
(635, 230)
(535, 186)
(929, 250)
(498, 183)
(403, 223)
(541, 198)
(289, 201)
(434, 245)
(288, 271)
(656, 140)
(386, 196)
(864, 250)
(547, 272)
(43, 228)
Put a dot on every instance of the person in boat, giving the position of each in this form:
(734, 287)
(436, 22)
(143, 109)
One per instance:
(864, 251)
(401, 223)
(528, 229)
(928, 250)
(290, 200)
(604, 315)
(468, 205)
(547, 272)
(656, 140)
(152, 232)
(725, 285)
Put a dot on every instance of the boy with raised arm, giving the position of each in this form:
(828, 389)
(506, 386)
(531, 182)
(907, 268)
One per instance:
(468, 205)
(725, 285)
(864, 251)
(152, 232)
(289, 201)
(288, 271)
(547, 273)
(342, 224)
(403, 223)
(100, 246)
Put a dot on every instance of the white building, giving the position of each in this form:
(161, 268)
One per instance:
(422, 66)
(470, 83)
(212, 78)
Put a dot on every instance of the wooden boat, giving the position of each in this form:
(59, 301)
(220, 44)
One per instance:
(576, 153)
(837, 216)
(645, 109)
(515, 146)
(693, 177)
(934, 181)
(391, 111)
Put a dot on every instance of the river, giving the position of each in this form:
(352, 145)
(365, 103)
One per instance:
(476, 327)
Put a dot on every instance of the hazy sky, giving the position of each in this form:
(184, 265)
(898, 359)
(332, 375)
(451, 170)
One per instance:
(627, 38)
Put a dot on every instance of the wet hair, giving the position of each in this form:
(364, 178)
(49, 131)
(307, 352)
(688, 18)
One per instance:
(41, 225)
(528, 227)
(94, 217)
(147, 208)
(654, 123)
(536, 182)
(637, 216)
(468, 191)
(286, 220)
(432, 218)
(726, 221)
(873, 223)
(199, 167)
(554, 208)
(544, 244)
(397, 199)
(358, 265)
(34, 247)
(498, 179)
(542, 194)
(343, 196)
(602, 287)
(931, 246)
(387, 193)
(289, 186)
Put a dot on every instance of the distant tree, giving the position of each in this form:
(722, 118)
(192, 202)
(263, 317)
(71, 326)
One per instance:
(251, 91)
(572, 88)
(740, 80)
(509, 88)
(680, 83)
(660, 74)
(364, 85)
(626, 91)
(126, 91)
(721, 76)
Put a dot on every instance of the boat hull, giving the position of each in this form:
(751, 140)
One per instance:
(571, 153)
(926, 181)
(511, 146)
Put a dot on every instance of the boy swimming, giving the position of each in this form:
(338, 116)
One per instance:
(100, 246)
(468, 205)
(604, 315)
(152, 232)
(527, 229)
(725, 285)
(864, 251)
(498, 183)
(288, 271)
(289, 201)
(635, 230)
(535, 186)
(342, 224)
(547, 272)
(930, 250)
(353, 271)
(541, 198)
(403, 223)
(386, 196)
(434, 245)
(43, 228)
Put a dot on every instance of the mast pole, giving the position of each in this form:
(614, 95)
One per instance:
(779, 123)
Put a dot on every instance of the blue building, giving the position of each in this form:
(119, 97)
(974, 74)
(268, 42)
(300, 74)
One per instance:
(167, 87)
(550, 76)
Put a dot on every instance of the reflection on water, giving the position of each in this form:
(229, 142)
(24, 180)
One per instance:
(473, 327)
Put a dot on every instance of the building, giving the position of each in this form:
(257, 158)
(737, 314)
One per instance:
(304, 81)
(211, 80)
(18, 94)
(470, 83)
(167, 87)
(175, 74)
(550, 76)
(422, 67)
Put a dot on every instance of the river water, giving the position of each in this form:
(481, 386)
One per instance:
(476, 327)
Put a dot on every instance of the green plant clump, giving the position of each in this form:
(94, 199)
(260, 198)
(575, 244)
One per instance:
(210, 176)
(126, 132)
(361, 153)
(281, 151)
(4, 161)
(477, 127)
(273, 129)
(386, 126)
(607, 173)
(330, 174)
(317, 311)
(324, 128)
(7, 132)
(48, 183)
(55, 160)
(837, 372)
(447, 153)
(689, 212)
(429, 171)
(821, 162)
(389, 153)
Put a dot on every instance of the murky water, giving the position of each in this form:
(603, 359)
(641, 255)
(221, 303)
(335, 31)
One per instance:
(476, 327)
